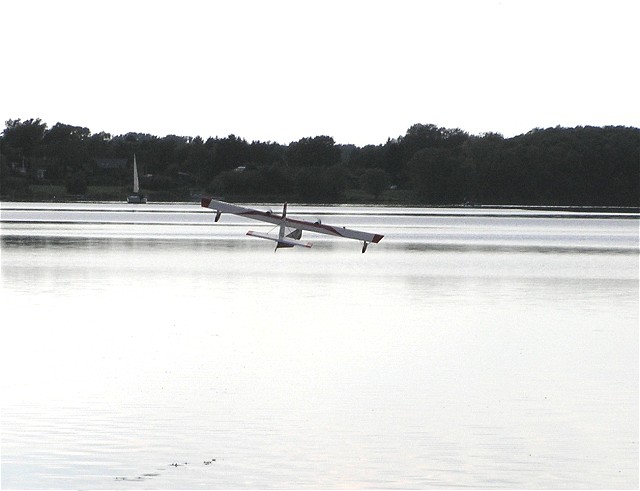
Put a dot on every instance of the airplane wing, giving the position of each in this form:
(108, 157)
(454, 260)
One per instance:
(321, 228)
(222, 207)
(284, 221)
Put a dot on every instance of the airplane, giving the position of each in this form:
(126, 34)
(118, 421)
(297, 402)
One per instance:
(293, 238)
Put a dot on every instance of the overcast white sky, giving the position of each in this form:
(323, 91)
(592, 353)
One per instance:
(359, 71)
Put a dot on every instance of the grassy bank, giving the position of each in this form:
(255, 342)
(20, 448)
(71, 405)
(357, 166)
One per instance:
(53, 192)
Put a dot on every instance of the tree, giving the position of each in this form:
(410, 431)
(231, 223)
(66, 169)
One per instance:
(311, 184)
(67, 144)
(432, 172)
(580, 166)
(369, 156)
(320, 151)
(232, 152)
(374, 181)
(20, 139)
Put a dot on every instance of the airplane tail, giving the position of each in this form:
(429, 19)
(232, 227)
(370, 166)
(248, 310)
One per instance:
(281, 242)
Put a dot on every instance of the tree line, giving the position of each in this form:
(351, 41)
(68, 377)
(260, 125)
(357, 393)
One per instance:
(429, 165)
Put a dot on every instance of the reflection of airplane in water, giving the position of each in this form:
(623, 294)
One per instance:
(285, 237)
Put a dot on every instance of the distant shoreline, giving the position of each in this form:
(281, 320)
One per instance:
(559, 208)
(428, 166)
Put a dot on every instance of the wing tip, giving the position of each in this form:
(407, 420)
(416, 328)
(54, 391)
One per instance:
(205, 202)
(377, 238)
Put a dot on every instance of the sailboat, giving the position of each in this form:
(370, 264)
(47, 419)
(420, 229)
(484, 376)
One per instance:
(136, 197)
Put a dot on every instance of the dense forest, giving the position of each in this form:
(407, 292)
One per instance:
(429, 165)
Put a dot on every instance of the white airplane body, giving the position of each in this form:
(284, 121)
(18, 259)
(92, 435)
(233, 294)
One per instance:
(292, 239)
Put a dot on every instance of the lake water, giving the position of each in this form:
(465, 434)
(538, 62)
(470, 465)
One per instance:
(469, 348)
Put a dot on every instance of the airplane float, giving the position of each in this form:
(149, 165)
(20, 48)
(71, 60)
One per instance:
(290, 239)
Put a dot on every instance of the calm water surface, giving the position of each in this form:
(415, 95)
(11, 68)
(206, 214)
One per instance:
(469, 348)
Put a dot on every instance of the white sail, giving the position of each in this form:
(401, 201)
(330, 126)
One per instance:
(136, 185)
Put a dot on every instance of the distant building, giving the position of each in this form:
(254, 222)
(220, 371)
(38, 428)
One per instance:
(112, 163)
(18, 168)
(38, 167)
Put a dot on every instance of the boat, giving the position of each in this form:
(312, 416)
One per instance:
(136, 197)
